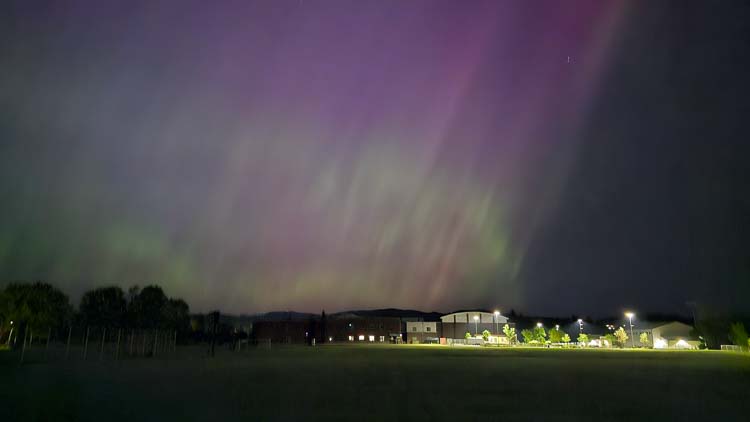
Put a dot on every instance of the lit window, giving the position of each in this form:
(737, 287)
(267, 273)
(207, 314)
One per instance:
(361, 337)
(372, 338)
(351, 338)
(382, 339)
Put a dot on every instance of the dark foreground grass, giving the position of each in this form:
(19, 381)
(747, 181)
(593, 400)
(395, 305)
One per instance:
(384, 383)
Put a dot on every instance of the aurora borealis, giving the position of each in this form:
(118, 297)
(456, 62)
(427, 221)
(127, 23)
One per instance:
(315, 154)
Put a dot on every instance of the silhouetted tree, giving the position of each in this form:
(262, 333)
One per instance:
(198, 327)
(145, 308)
(176, 315)
(711, 324)
(103, 307)
(38, 306)
(738, 335)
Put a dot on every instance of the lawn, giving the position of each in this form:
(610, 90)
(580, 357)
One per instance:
(357, 382)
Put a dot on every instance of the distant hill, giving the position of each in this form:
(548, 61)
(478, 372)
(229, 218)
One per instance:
(286, 316)
(304, 316)
(393, 312)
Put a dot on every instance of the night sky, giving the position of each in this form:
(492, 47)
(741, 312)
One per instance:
(552, 157)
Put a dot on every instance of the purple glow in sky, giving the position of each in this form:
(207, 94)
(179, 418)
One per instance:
(294, 154)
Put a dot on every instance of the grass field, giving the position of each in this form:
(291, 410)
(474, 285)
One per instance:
(356, 382)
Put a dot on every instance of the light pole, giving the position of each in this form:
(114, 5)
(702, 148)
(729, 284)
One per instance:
(630, 316)
(497, 314)
(476, 322)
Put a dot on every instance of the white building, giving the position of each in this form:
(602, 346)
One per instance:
(421, 332)
(667, 335)
(457, 324)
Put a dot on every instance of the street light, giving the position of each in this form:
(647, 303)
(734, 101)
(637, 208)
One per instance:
(476, 321)
(497, 314)
(580, 325)
(539, 325)
(630, 316)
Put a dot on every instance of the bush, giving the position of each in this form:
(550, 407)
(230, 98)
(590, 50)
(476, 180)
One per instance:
(611, 339)
(510, 333)
(738, 335)
(583, 338)
(645, 342)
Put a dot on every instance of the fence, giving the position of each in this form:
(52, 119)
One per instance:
(92, 343)
(732, 347)
(96, 344)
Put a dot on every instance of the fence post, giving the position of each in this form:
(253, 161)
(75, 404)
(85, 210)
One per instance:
(23, 348)
(86, 344)
(46, 347)
(117, 351)
(67, 345)
(101, 349)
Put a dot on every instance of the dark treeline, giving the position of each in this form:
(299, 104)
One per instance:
(42, 308)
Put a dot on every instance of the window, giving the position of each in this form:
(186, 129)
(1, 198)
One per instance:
(428, 328)
(414, 328)
(351, 338)
(361, 337)
(382, 339)
(372, 338)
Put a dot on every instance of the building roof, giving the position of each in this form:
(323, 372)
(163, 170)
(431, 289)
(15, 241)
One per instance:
(468, 316)
(650, 325)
